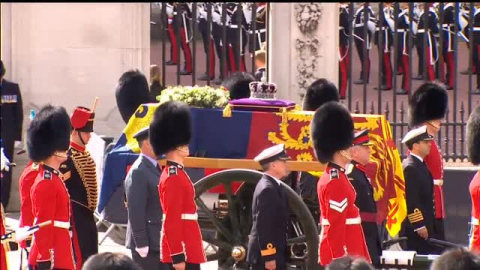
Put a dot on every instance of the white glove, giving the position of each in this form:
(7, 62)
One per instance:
(169, 11)
(23, 233)
(143, 251)
(217, 18)
(5, 162)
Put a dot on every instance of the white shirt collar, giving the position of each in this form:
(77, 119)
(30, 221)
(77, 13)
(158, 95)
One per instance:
(278, 181)
(421, 159)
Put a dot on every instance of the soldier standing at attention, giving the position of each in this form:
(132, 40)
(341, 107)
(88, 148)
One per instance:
(365, 202)
(473, 146)
(341, 230)
(267, 244)
(181, 239)
(47, 142)
(80, 177)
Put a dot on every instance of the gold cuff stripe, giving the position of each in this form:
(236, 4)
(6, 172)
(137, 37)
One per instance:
(416, 216)
(268, 252)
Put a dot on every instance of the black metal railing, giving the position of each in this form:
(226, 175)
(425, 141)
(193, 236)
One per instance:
(228, 25)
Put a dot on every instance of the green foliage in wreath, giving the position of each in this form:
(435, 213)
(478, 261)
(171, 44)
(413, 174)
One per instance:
(196, 96)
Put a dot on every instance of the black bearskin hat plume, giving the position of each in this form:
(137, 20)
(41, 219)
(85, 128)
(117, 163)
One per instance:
(238, 85)
(171, 127)
(318, 93)
(132, 91)
(48, 132)
(473, 136)
(429, 102)
(331, 130)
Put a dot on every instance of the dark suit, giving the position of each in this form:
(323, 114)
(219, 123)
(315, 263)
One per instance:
(144, 212)
(420, 206)
(268, 237)
(12, 120)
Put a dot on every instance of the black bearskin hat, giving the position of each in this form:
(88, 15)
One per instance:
(238, 85)
(318, 93)
(429, 102)
(473, 136)
(48, 132)
(331, 130)
(132, 91)
(171, 127)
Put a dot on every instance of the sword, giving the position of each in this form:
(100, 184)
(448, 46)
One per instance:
(393, 241)
(22, 233)
(444, 243)
(358, 37)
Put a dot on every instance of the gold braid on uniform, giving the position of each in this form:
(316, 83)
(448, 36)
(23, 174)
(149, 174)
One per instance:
(86, 169)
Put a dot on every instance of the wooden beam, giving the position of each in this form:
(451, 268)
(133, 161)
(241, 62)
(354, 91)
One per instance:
(218, 163)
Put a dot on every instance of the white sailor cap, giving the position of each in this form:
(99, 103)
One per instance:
(416, 135)
(276, 152)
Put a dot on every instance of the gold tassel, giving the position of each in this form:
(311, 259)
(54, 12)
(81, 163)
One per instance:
(284, 116)
(227, 112)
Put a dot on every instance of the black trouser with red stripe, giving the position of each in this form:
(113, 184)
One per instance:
(403, 58)
(430, 53)
(173, 44)
(447, 60)
(343, 75)
(217, 33)
(237, 41)
(359, 44)
(179, 29)
(202, 27)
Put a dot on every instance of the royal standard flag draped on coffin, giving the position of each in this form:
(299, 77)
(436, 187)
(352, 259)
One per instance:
(245, 134)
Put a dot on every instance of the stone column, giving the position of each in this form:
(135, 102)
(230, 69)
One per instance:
(69, 53)
(302, 46)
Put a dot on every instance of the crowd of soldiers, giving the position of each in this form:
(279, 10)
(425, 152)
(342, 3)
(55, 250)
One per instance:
(239, 29)
(368, 28)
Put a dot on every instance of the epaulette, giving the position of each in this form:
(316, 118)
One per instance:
(47, 175)
(172, 170)
(35, 166)
(334, 174)
(350, 167)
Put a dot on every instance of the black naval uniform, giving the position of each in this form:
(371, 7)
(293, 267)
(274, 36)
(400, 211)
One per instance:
(12, 120)
(420, 206)
(268, 237)
(80, 178)
(368, 209)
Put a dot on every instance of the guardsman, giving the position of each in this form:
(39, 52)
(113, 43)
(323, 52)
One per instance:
(427, 107)
(236, 37)
(403, 29)
(419, 226)
(473, 149)
(171, 34)
(430, 52)
(47, 142)
(181, 239)
(448, 33)
(132, 91)
(341, 230)
(365, 202)
(267, 244)
(25, 183)
(143, 204)
(362, 17)
(344, 34)
(11, 117)
(217, 34)
(80, 177)
(203, 28)
(182, 16)
(384, 30)
(476, 45)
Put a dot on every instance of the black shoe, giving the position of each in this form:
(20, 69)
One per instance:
(205, 78)
(401, 92)
(170, 63)
(476, 91)
(418, 78)
(360, 81)
(383, 88)
(185, 72)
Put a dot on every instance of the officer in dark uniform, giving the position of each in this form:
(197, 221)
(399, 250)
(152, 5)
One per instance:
(182, 17)
(365, 202)
(448, 32)
(344, 35)
(267, 244)
(171, 34)
(385, 32)
(236, 37)
(203, 28)
(403, 29)
(430, 52)
(361, 40)
(12, 120)
(217, 34)
(420, 224)
(80, 178)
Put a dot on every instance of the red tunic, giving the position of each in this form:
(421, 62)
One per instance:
(434, 163)
(26, 181)
(181, 239)
(340, 221)
(475, 194)
(50, 201)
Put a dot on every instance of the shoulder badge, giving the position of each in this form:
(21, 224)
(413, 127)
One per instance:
(333, 174)
(63, 166)
(47, 175)
(172, 170)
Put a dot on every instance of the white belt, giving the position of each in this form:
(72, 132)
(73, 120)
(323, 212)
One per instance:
(475, 221)
(233, 26)
(257, 31)
(476, 28)
(61, 224)
(421, 31)
(349, 221)
(359, 25)
(401, 30)
(447, 24)
(382, 28)
(438, 182)
(186, 216)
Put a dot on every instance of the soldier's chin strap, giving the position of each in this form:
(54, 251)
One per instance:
(80, 136)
